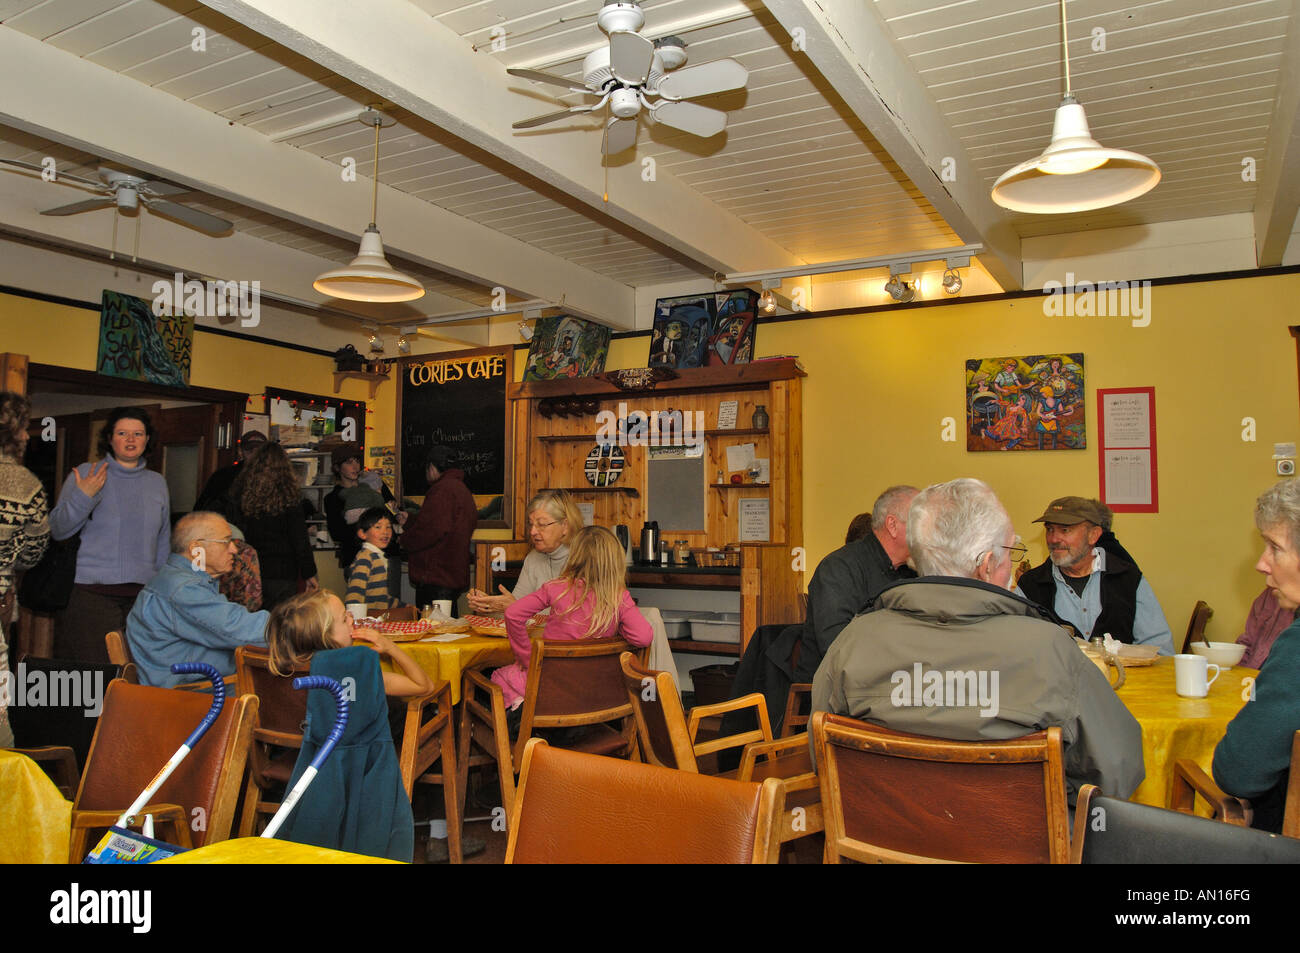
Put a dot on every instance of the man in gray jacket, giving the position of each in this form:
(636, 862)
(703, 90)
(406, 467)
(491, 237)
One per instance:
(954, 654)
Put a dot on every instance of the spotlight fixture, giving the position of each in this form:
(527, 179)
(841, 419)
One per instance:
(403, 345)
(951, 281)
(768, 299)
(898, 289)
(525, 330)
(1075, 173)
(369, 276)
(376, 343)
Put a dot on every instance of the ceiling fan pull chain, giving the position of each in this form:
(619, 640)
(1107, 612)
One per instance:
(112, 254)
(135, 249)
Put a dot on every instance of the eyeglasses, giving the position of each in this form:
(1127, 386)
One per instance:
(544, 525)
(1018, 550)
(220, 542)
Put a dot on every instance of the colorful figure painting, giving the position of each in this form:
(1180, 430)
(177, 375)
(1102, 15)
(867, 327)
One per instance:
(139, 345)
(704, 330)
(566, 346)
(1026, 403)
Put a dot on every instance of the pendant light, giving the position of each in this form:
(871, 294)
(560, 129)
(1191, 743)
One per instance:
(369, 276)
(1075, 173)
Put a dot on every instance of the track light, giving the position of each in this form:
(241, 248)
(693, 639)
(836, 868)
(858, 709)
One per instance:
(951, 281)
(525, 330)
(376, 343)
(768, 301)
(403, 345)
(899, 290)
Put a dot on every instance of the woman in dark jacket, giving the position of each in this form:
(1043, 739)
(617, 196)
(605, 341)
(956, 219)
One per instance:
(267, 507)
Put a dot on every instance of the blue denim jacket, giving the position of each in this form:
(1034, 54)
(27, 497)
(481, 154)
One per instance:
(181, 617)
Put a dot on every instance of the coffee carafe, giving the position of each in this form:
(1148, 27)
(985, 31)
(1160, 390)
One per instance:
(624, 535)
(650, 544)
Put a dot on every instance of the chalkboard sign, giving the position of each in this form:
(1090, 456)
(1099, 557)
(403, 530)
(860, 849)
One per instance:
(458, 402)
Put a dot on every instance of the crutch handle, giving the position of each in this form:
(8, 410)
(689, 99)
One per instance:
(218, 695)
(340, 717)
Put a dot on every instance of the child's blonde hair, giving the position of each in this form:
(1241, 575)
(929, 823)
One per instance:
(596, 565)
(299, 626)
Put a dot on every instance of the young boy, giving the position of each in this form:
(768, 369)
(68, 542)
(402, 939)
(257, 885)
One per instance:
(368, 574)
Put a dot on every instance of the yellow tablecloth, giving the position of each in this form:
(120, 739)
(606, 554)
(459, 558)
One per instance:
(1174, 727)
(268, 850)
(35, 819)
(447, 661)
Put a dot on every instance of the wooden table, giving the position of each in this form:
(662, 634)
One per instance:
(1174, 727)
(447, 661)
(35, 819)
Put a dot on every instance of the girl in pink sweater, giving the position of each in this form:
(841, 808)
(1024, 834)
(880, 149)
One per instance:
(589, 600)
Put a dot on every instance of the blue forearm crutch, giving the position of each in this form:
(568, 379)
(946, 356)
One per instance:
(340, 722)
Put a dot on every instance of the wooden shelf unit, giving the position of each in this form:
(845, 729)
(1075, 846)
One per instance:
(550, 452)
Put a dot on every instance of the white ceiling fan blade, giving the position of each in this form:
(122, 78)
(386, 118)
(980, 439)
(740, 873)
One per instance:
(162, 188)
(630, 57)
(89, 205)
(552, 117)
(539, 77)
(189, 216)
(688, 117)
(704, 80)
(620, 134)
(59, 176)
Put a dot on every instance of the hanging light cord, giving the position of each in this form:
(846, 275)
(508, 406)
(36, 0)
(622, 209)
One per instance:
(1065, 48)
(374, 191)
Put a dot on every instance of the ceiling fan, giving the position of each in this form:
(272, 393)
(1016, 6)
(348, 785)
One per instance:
(632, 73)
(128, 192)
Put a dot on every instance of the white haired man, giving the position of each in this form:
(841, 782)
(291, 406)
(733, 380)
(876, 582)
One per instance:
(180, 616)
(959, 626)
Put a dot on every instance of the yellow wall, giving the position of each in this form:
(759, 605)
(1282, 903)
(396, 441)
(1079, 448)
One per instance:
(879, 385)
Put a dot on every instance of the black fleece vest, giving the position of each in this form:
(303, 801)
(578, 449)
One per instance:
(1119, 585)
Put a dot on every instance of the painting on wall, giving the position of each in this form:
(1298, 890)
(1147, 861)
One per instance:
(704, 330)
(1026, 403)
(565, 346)
(140, 345)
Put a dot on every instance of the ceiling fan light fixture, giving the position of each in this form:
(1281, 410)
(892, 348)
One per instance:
(620, 16)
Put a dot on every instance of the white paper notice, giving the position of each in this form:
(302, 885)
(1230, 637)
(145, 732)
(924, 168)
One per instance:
(764, 470)
(1128, 477)
(588, 511)
(727, 414)
(740, 457)
(754, 521)
(1127, 419)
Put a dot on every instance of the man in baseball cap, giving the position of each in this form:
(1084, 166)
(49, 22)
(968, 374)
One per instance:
(1091, 586)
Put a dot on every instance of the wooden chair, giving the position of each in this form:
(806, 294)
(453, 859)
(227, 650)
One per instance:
(58, 762)
(798, 701)
(427, 738)
(570, 683)
(1111, 831)
(140, 729)
(120, 655)
(891, 797)
(636, 813)
(1201, 615)
(1190, 779)
(668, 736)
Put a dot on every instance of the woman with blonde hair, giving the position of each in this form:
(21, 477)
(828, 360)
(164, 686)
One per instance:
(553, 517)
(267, 508)
(589, 600)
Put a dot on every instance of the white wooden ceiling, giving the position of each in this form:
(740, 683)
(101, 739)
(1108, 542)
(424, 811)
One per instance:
(833, 151)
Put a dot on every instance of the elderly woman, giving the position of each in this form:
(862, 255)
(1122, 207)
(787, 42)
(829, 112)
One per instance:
(122, 511)
(24, 524)
(552, 516)
(1254, 757)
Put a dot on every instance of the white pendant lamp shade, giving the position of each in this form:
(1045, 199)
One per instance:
(369, 276)
(1075, 173)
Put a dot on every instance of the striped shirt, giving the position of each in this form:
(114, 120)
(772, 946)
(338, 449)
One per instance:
(368, 578)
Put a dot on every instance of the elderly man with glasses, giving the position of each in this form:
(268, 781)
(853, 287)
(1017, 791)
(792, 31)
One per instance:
(1091, 585)
(955, 654)
(180, 616)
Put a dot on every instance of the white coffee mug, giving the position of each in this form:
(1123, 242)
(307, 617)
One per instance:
(442, 607)
(1190, 675)
(357, 610)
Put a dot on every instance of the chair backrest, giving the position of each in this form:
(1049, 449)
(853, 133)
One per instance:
(895, 797)
(1196, 625)
(660, 720)
(1110, 831)
(577, 682)
(119, 653)
(1291, 811)
(637, 813)
(65, 712)
(280, 708)
(141, 728)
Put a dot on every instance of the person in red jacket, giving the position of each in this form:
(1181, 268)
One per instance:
(436, 539)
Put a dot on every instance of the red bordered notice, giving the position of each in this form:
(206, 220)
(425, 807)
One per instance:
(1126, 438)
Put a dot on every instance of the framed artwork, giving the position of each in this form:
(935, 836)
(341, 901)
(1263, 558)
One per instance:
(704, 330)
(139, 345)
(565, 346)
(1035, 402)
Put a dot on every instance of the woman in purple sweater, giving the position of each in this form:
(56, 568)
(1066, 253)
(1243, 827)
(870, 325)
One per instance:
(122, 511)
